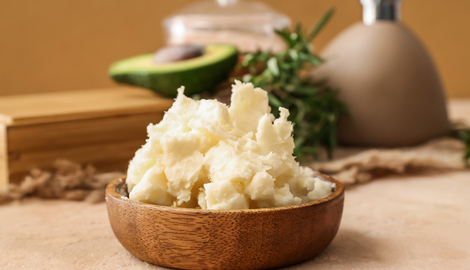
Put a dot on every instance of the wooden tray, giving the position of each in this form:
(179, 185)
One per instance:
(103, 127)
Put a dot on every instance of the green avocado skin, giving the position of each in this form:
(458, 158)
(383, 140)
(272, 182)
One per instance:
(195, 80)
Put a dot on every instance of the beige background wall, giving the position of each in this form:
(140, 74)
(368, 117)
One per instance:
(56, 45)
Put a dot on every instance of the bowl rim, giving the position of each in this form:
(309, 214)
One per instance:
(110, 191)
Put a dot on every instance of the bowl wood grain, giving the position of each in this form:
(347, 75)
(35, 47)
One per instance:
(224, 239)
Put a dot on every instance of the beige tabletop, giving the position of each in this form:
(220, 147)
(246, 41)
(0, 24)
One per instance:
(408, 222)
(398, 222)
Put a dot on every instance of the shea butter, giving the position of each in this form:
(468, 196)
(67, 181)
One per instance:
(207, 155)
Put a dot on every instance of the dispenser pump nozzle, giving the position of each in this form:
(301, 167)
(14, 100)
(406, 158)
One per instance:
(375, 10)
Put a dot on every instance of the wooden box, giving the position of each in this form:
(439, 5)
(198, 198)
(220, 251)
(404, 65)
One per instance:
(103, 127)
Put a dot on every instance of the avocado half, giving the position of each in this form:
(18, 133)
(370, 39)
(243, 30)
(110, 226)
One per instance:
(197, 75)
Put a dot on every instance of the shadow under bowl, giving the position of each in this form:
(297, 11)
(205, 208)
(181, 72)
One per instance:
(224, 239)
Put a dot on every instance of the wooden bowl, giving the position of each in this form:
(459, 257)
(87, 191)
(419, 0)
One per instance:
(224, 239)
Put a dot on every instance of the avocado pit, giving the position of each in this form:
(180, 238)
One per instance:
(177, 53)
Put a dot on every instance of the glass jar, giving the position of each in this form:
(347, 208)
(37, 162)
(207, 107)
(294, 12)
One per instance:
(247, 25)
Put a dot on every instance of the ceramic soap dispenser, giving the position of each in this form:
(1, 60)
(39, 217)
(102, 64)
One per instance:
(388, 79)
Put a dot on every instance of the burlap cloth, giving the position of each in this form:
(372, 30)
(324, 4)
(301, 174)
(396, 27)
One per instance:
(73, 181)
(358, 165)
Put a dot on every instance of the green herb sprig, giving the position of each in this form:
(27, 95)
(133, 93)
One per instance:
(314, 106)
(463, 134)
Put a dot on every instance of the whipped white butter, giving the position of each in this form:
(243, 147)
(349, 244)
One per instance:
(205, 154)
